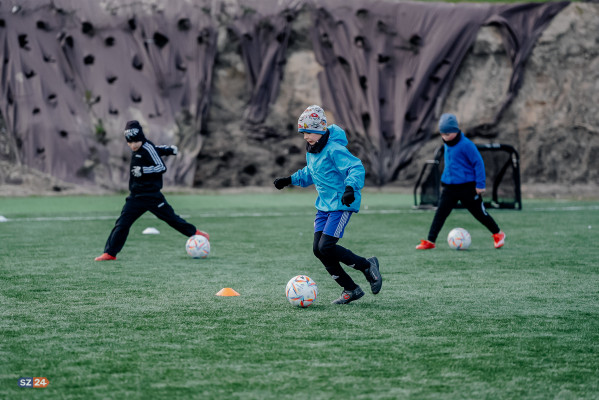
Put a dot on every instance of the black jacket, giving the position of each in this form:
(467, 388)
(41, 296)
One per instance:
(148, 158)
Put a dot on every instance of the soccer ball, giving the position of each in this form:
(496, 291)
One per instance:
(197, 246)
(301, 291)
(459, 239)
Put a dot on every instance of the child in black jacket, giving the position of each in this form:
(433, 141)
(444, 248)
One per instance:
(145, 183)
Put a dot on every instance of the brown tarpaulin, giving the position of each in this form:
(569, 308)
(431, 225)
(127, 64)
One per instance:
(73, 73)
(387, 66)
(263, 34)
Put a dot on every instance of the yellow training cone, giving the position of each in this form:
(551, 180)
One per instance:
(227, 292)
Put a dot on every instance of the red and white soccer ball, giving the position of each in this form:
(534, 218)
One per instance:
(301, 291)
(197, 246)
(459, 239)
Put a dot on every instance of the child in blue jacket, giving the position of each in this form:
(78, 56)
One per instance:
(463, 180)
(338, 177)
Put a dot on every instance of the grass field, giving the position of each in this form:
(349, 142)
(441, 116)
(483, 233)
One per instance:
(519, 322)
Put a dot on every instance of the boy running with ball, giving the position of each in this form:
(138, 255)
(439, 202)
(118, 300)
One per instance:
(338, 177)
(463, 180)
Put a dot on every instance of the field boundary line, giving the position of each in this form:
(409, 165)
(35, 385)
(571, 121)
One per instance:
(270, 214)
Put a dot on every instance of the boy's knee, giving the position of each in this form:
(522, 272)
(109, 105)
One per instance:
(316, 251)
(122, 224)
(326, 245)
(317, 236)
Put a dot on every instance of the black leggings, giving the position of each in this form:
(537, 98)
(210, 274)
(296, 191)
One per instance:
(466, 194)
(327, 250)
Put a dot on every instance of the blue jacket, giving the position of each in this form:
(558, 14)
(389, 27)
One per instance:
(463, 163)
(331, 171)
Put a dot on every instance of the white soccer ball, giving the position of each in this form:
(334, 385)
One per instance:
(197, 246)
(459, 239)
(301, 291)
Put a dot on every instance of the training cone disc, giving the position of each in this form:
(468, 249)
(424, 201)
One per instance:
(227, 292)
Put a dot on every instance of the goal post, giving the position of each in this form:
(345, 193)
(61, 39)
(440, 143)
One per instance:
(502, 169)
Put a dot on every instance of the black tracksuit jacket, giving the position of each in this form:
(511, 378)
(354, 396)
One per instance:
(148, 157)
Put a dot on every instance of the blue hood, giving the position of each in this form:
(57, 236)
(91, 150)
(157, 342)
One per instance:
(337, 134)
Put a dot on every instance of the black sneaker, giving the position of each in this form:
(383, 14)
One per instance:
(349, 295)
(373, 275)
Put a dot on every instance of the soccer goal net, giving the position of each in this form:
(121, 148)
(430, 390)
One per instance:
(502, 168)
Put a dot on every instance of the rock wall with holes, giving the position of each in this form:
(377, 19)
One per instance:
(226, 81)
(75, 72)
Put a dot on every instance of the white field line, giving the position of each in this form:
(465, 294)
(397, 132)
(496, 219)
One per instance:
(571, 208)
(274, 214)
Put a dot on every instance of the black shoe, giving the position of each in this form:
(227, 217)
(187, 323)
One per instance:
(373, 275)
(349, 295)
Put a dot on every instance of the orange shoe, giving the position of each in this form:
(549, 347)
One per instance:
(499, 239)
(105, 257)
(202, 233)
(425, 245)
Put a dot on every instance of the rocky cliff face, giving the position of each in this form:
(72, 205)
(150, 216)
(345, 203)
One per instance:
(240, 153)
(553, 121)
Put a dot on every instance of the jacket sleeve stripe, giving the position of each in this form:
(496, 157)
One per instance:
(159, 167)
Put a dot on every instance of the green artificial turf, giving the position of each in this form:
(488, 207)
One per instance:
(519, 322)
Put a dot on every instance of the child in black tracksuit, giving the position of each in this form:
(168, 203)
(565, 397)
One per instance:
(145, 183)
(463, 180)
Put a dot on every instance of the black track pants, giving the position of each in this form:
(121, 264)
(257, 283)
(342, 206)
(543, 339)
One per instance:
(134, 208)
(327, 250)
(466, 194)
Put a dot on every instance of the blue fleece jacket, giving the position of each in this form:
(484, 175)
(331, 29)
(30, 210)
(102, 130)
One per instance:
(331, 171)
(463, 163)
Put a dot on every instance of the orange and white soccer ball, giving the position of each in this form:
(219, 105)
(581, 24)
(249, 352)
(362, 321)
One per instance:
(301, 291)
(197, 246)
(459, 239)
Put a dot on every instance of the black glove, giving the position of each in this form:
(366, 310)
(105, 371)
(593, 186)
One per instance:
(348, 196)
(280, 183)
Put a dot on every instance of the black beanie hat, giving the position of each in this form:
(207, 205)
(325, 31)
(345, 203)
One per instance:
(133, 132)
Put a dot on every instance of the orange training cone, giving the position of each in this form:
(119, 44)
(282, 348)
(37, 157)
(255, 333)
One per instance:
(227, 292)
